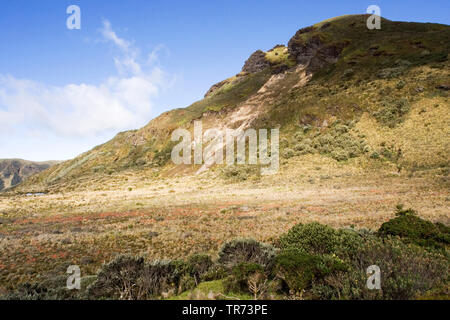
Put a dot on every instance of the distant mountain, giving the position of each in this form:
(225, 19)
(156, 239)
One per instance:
(14, 171)
(336, 89)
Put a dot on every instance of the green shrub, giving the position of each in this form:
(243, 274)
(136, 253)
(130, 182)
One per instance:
(49, 289)
(339, 143)
(316, 238)
(288, 153)
(341, 128)
(241, 273)
(340, 155)
(241, 172)
(400, 85)
(162, 276)
(304, 147)
(374, 155)
(406, 272)
(246, 250)
(284, 143)
(198, 266)
(117, 279)
(130, 278)
(298, 269)
(392, 112)
(299, 135)
(326, 139)
(413, 229)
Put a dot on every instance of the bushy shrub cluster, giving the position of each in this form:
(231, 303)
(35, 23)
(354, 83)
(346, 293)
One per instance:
(319, 262)
(131, 278)
(392, 111)
(407, 271)
(413, 229)
(319, 239)
(50, 288)
(298, 269)
(248, 251)
(242, 274)
(336, 142)
(241, 172)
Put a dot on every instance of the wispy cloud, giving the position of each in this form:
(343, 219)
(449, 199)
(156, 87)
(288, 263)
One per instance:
(120, 102)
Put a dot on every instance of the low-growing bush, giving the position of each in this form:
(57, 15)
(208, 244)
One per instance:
(159, 277)
(298, 269)
(413, 229)
(406, 272)
(340, 155)
(131, 278)
(316, 238)
(288, 153)
(118, 278)
(241, 172)
(246, 250)
(392, 112)
(238, 281)
(199, 266)
(48, 289)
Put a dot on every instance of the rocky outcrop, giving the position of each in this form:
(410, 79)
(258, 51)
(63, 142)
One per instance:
(311, 51)
(326, 55)
(256, 62)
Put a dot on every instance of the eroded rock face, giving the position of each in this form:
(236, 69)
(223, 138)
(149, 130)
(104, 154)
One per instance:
(256, 62)
(304, 51)
(325, 55)
(313, 52)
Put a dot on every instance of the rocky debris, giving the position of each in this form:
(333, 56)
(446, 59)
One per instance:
(256, 62)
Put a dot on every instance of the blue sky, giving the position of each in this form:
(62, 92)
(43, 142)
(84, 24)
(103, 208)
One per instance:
(64, 91)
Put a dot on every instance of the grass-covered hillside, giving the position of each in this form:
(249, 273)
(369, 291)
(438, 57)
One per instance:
(336, 89)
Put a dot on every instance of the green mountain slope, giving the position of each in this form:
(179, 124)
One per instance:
(366, 97)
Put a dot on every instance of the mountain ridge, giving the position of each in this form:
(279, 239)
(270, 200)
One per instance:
(14, 171)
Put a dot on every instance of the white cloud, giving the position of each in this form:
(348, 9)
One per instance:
(121, 102)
